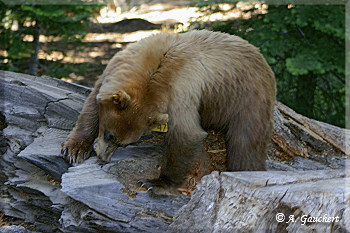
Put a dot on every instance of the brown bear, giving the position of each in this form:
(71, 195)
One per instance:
(194, 81)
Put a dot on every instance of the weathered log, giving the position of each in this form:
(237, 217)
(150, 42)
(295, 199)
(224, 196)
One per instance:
(38, 186)
(297, 135)
(266, 201)
(37, 115)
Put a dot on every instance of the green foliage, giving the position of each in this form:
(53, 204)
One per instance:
(305, 46)
(61, 20)
(212, 3)
(68, 22)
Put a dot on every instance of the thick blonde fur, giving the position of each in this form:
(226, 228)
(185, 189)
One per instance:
(201, 80)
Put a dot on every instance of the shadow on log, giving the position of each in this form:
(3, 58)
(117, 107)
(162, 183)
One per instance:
(39, 187)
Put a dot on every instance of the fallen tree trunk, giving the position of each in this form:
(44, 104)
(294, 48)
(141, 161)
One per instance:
(39, 187)
(274, 201)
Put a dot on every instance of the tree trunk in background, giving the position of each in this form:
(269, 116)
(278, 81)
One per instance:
(34, 61)
(304, 97)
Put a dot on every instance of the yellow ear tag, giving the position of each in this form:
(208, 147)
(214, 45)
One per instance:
(162, 128)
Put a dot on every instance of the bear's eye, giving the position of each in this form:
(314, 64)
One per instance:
(108, 136)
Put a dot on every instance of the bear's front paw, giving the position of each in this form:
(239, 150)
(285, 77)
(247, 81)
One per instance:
(76, 150)
(160, 186)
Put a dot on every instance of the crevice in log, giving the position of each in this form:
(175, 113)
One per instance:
(3, 123)
(307, 123)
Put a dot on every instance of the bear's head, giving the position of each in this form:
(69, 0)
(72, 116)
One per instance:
(123, 121)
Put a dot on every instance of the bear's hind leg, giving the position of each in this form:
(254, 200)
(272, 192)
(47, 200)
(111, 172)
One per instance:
(181, 161)
(247, 137)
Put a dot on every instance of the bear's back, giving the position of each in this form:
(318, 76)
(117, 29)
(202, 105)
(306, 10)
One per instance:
(188, 68)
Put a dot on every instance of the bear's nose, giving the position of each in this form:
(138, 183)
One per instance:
(108, 136)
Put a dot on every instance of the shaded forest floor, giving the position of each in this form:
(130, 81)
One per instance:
(82, 62)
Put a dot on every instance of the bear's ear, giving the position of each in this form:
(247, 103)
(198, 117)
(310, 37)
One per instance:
(162, 118)
(121, 99)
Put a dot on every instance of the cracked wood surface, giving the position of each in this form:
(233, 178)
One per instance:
(249, 202)
(38, 186)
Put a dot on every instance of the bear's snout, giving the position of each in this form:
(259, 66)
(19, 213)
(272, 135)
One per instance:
(108, 136)
(104, 148)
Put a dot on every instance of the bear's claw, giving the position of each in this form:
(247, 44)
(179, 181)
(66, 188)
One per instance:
(64, 152)
(158, 187)
(71, 159)
(75, 153)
